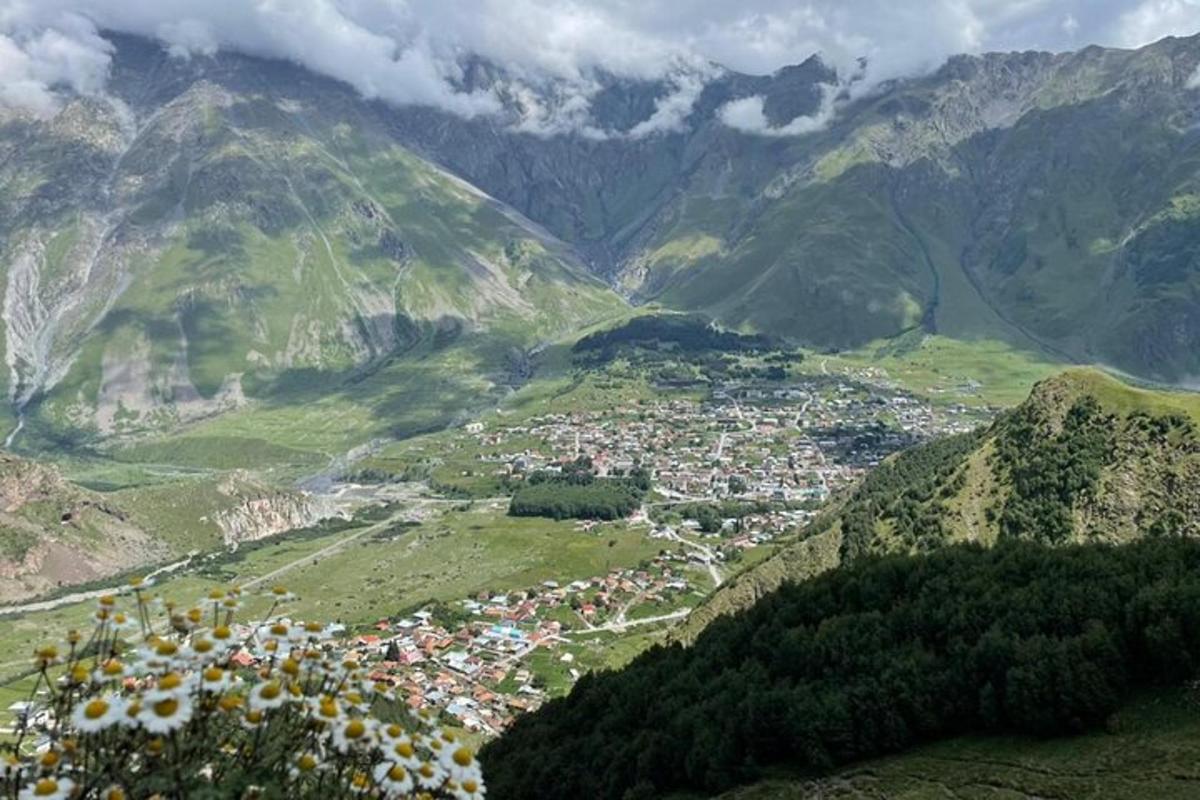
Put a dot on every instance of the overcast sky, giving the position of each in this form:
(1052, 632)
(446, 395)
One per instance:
(404, 51)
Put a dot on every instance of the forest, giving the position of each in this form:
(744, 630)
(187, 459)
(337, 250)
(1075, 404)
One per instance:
(684, 332)
(872, 658)
(577, 493)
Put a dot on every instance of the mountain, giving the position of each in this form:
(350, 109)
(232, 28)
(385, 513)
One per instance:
(1085, 459)
(231, 232)
(1045, 199)
(208, 234)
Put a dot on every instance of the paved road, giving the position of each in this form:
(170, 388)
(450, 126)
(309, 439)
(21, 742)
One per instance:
(617, 627)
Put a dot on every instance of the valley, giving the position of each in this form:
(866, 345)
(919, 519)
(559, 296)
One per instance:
(658, 427)
(743, 456)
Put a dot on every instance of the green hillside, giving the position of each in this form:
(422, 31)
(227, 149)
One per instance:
(870, 659)
(1086, 458)
(201, 245)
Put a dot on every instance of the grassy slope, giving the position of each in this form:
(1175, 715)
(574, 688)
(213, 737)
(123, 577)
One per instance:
(1153, 752)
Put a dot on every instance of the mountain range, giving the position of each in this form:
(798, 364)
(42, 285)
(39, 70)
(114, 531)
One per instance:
(218, 231)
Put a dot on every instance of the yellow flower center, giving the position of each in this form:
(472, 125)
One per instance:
(202, 646)
(50, 759)
(404, 750)
(115, 793)
(254, 716)
(45, 787)
(394, 730)
(108, 600)
(328, 708)
(170, 681)
(95, 709)
(469, 786)
(360, 780)
(355, 728)
(166, 708)
(213, 674)
(222, 632)
(155, 746)
(120, 619)
(426, 770)
(165, 648)
(79, 673)
(313, 627)
(270, 691)
(279, 629)
(47, 653)
(306, 762)
(113, 667)
(462, 756)
(279, 590)
(194, 615)
(397, 773)
(290, 666)
(215, 594)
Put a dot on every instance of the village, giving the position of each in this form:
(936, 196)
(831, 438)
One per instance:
(731, 472)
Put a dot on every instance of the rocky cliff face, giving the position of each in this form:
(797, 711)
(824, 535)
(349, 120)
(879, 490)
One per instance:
(53, 533)
(258, 510)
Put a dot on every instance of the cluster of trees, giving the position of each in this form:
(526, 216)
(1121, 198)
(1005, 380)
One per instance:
(680, 332)
(1049, 471)
(711, 516)
(869, 659)
(905, 495)
(577, 493)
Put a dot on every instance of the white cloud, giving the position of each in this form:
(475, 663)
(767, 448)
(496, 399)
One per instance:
(747, 115)
(1151, 20)
(409, 51)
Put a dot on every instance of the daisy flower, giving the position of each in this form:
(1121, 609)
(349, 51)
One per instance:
(215, 679)
(113, 792)
(459, 762)
(47, 789)
(253, 718)
(352, 733)
(429, 775)
(166, 713)
(97, 714)
(393, 778)
(325, 710)
(121, 621)
(280, 594)
(470, 789)
(138, 584)
(360, 783)
(303, 765)
(403, 752)
(268, 695)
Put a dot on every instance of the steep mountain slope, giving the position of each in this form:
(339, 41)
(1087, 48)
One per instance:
(1048, 200)
(210, 228)
(53, 533)
(1085, 459)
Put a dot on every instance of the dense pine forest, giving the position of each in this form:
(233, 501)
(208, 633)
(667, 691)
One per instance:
(872, 658)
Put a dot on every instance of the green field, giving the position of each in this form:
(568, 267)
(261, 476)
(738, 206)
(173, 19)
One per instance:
(1152, 753)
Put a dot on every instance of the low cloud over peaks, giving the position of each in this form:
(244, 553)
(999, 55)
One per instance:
(411, 51)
